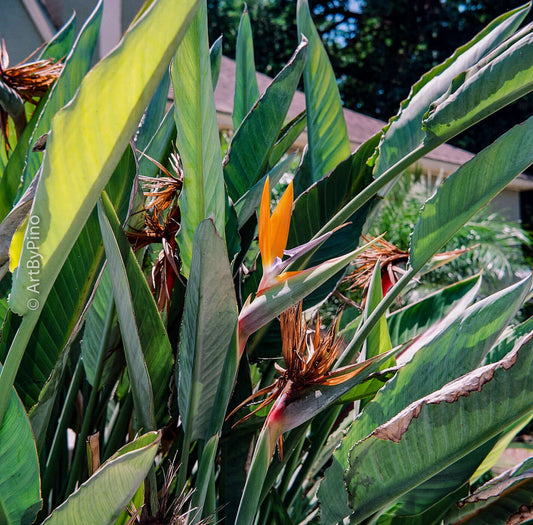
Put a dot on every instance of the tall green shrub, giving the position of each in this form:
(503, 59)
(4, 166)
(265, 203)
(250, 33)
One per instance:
(143, 319)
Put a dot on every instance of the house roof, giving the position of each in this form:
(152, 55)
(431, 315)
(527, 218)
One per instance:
(443, 160)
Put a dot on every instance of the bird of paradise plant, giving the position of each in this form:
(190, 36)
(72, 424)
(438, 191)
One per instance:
(447, 377)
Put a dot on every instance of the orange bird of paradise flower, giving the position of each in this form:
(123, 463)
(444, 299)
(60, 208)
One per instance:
(273, 235)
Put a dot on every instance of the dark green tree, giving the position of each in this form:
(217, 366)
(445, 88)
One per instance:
(395, 41)
(378, 48)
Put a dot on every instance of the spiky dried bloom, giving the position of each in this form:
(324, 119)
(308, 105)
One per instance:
(309, 354)
(389, 257)
(162, 221)
(171, 510)
(28, 80)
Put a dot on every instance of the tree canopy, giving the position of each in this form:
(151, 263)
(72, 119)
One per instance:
(378, 48)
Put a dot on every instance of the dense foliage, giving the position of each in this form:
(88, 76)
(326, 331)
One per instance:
(162, 356)
(378, 48)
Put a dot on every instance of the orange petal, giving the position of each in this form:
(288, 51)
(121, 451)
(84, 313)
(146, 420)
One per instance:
(287, 275)
(280, 222)
(265, 243)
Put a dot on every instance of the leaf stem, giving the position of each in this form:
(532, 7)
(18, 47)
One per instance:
(14, 357)
(254, 481)
(59, 436)
(364, 196)
(77, 461)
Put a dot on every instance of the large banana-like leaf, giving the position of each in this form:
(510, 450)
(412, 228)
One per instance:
(245, 163)
(71, 290)
(470, 188)
(501, 81)
(24, 162)
(61, 44)
(143, 333)
(19, 467)
(328, 142)
(103, 497)
(209, 322)
(503, 499)
(435, 431)
(198, 142)
(246, 90)
(414, 319)
(90, 134)
(316, 211)
(455, 345)
(404, 133)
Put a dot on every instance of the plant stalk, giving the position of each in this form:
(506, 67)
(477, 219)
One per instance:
(14, 357)
(77, 461)
(59, 436)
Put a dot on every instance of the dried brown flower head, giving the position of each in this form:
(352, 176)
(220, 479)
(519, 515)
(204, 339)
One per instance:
(309, 354)
(26, 81)
(162, 221)
(389, 257)
(31, 80)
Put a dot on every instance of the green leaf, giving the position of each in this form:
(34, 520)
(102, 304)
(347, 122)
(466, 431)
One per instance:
(454, 346)
(62, 42)
(80, 159)
(504, 440)
(328, 142)
(215, 55)
(245, 163)
(456, 419)
(470, 188)
(24, 162)
(404, 133)
(209, 321)
(67, 299)
(19, 475)
(94, 330)
(143, 333)
(316, 211)
(414, 319)
(106, 493)
(153, 119)
(499, 82)
(247, 205)
(290, 132)
(246, 90)
(198, 142)
(497, 500)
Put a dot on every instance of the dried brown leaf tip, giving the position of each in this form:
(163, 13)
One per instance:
(27, 81)
(309, 354)
(162, 221)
